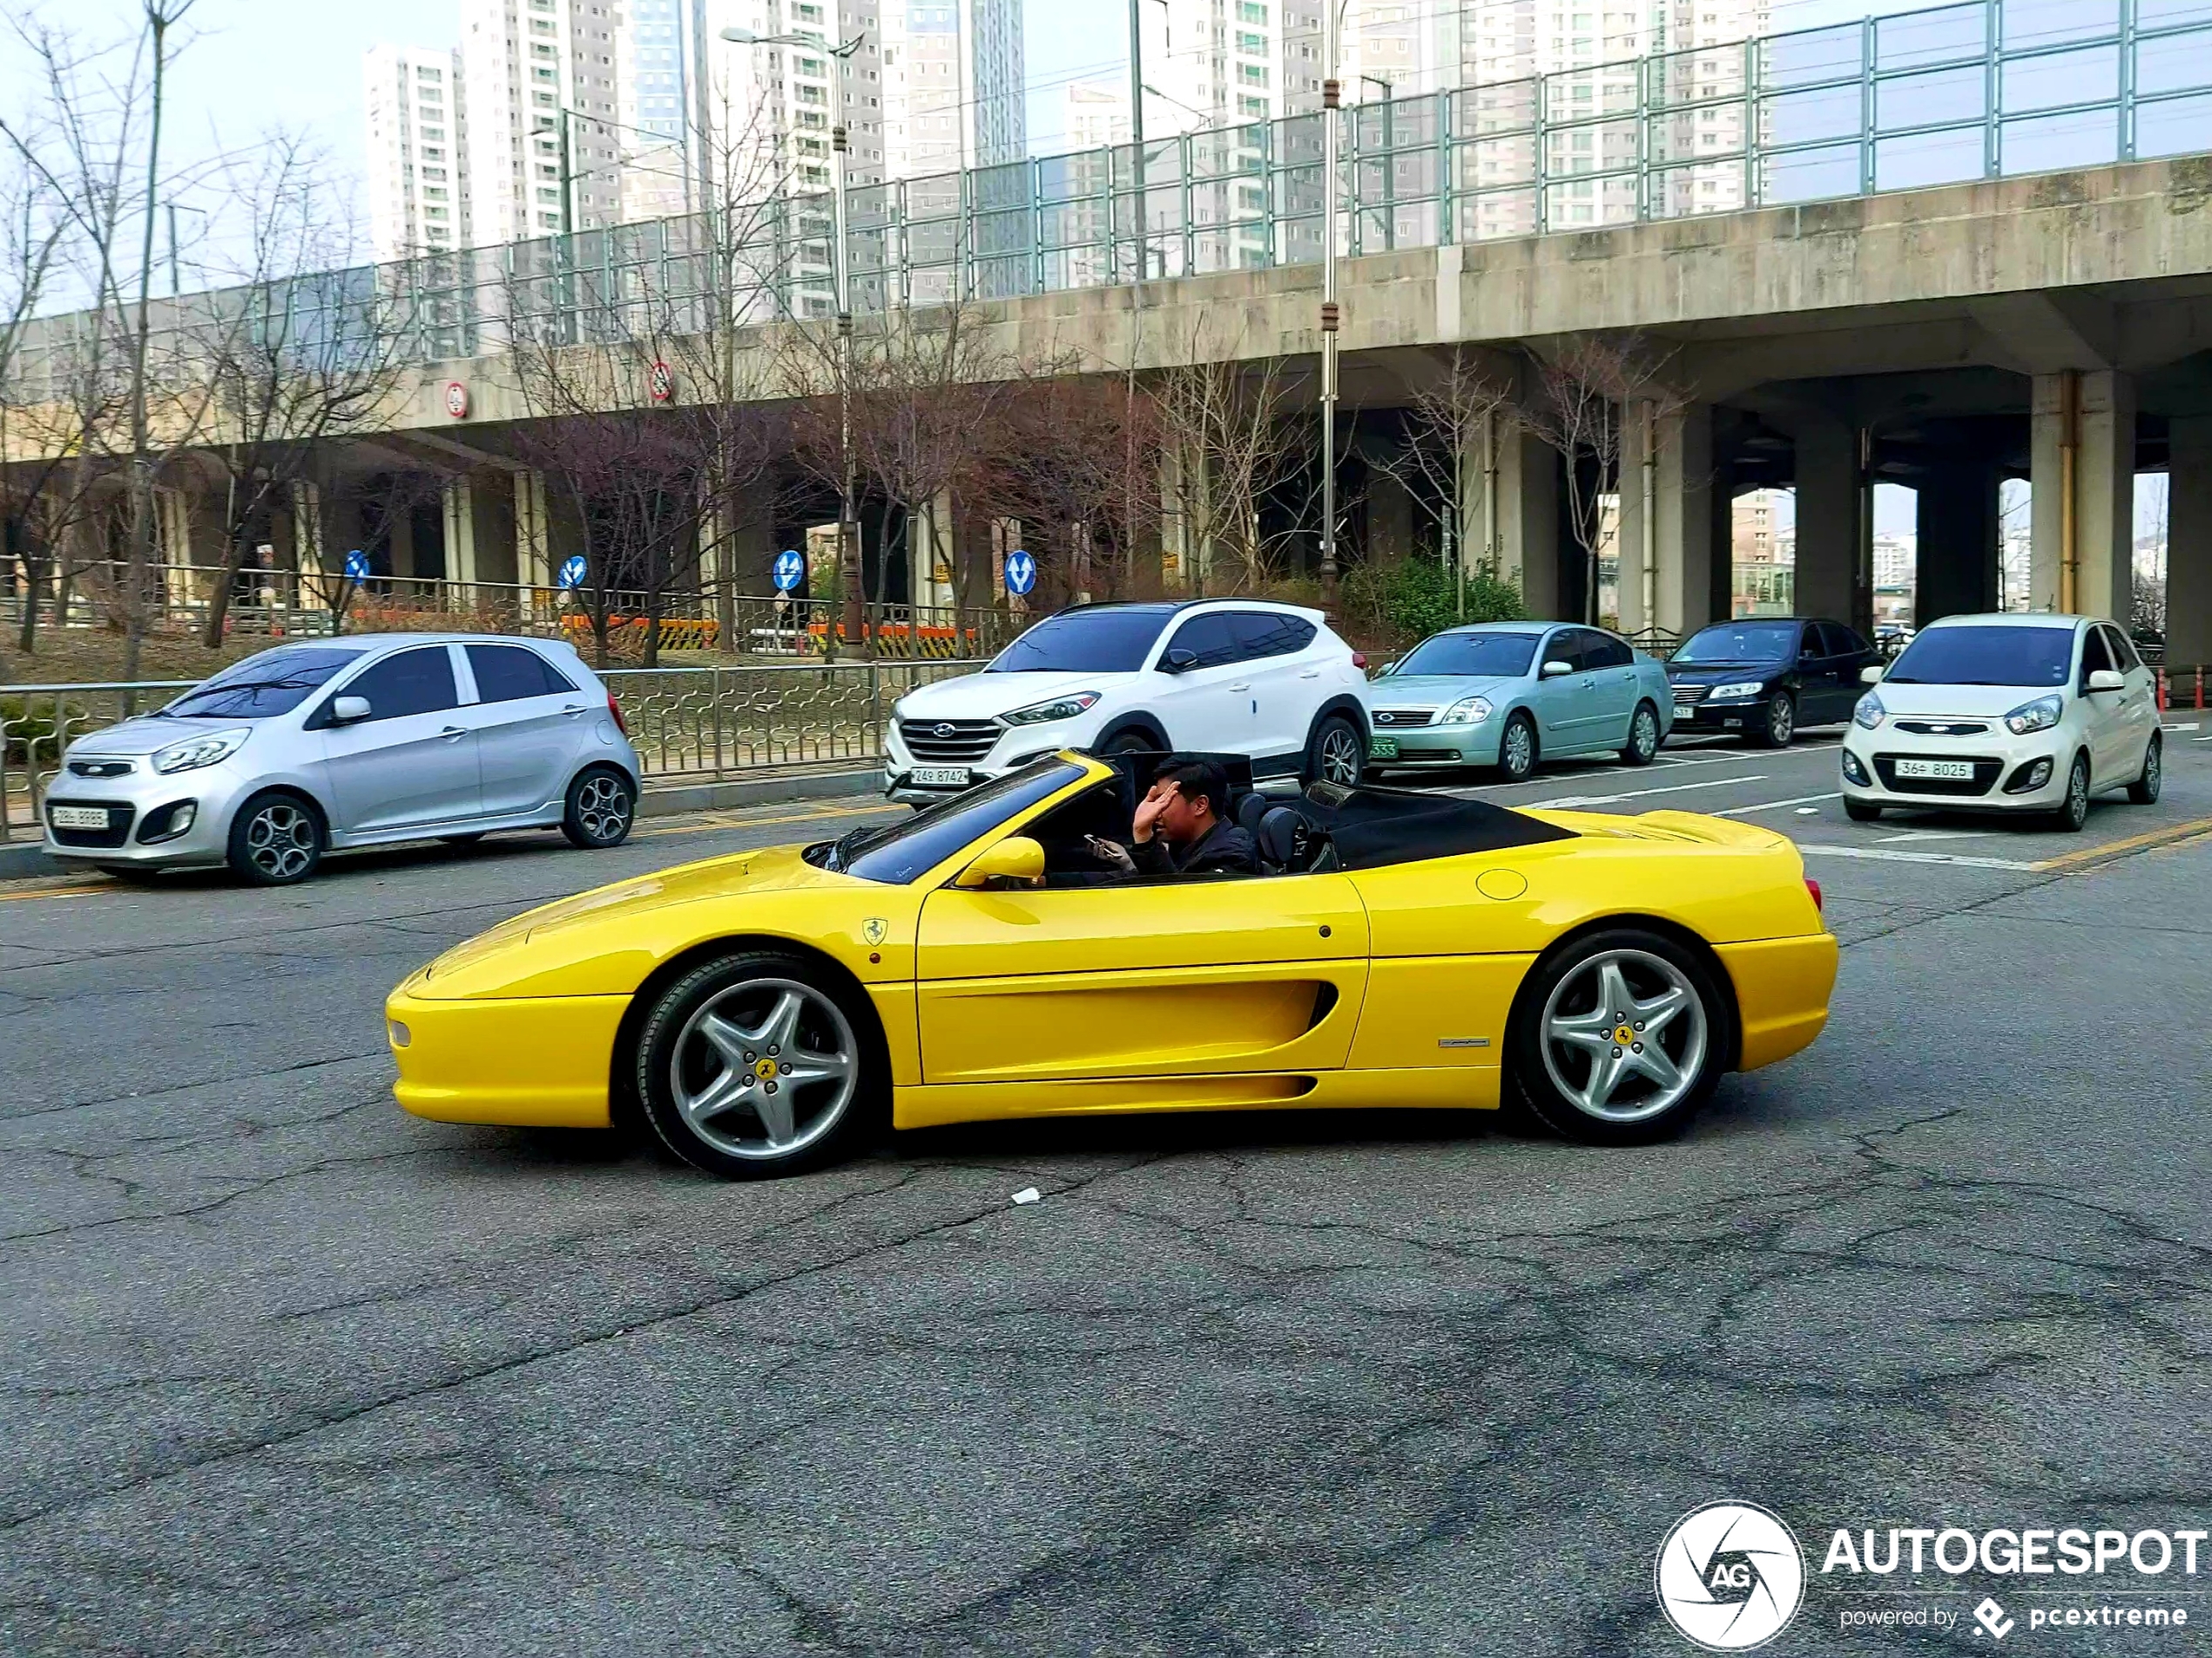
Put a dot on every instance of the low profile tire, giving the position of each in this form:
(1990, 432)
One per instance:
(1861, 811)
(1778, 723)
(1336, 753)
(1517, 748)
(602, 806)
(2075, 810)
(758, 1065)
(1619, 1037)
(276, 839)
(2144, 790)
(1643, 737)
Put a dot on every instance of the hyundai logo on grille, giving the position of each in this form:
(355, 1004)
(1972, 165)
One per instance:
(941, 729)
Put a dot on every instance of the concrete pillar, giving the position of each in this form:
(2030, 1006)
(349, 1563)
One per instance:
(1674, 539)
(1513, 519)
(491, 529)
(2188, 543)
(2095, 415)
(1835, 541)
(933, 544)
(1956, 533)
(533, 531)
(458, 498)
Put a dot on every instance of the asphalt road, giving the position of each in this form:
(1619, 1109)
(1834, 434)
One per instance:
(287, 1372)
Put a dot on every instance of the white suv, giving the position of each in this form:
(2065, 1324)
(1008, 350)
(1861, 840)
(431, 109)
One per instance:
(1219, 675)
(2005, 712)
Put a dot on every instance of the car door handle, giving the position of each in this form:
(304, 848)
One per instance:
(452, 732)
(1311, 673)
(1244, 687)
(573, 708)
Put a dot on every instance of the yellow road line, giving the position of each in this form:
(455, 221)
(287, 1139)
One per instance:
(2118, 848)
(61, 891)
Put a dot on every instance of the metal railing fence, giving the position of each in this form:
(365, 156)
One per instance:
(1980, 90)
(686, 723)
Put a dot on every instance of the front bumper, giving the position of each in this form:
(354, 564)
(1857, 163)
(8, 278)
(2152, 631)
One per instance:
(522, 1061)
(141, 802)
(1463, 745)
(1015, 747)
(1708, 716)
(2002, 776)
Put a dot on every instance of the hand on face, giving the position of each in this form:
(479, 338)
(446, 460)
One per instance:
(1157, 801)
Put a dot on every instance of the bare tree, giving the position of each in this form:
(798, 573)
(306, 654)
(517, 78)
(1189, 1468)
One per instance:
(1578, 404)
(1447, 422)
(1227, 443)
(1079, 458)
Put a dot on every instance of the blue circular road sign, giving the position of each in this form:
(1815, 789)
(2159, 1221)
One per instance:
(1021, 572)
(572, 571)
(790, 569)
(357, 566)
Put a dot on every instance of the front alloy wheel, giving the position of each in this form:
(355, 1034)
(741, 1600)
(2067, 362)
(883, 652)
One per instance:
(753, 1066)
(275, 840)
(1618, 1040)
(1517, 748)
(1778, 723)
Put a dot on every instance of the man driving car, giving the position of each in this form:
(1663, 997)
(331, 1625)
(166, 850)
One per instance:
(1178, 828)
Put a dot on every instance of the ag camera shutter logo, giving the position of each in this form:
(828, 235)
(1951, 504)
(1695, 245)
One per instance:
(1729, 1576)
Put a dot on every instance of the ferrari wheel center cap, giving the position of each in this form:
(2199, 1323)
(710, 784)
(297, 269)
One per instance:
(764, 1069)
(1624, 1034)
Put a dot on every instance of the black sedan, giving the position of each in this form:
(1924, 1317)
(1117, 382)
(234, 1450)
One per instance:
(1764, 676)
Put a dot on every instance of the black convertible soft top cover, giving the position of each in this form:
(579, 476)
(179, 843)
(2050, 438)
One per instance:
(1372, 828)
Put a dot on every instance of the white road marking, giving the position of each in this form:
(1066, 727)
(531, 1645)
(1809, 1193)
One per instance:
(2193, 726)
(1777, 805)
(1578, 802)
(1960, 859)
(1937, 834)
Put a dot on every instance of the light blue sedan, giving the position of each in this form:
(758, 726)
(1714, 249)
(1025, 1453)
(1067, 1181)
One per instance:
(1509, 694)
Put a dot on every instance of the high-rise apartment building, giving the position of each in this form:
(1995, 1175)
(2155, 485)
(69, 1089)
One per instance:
(418, 179)
(953, 88)
(544, 133)
(657, 56)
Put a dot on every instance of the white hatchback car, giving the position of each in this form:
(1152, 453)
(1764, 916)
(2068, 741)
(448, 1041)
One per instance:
(1221, 676)
(2009, 713)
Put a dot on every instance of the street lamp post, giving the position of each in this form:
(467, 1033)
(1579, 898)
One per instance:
(848, 511)
(1332, 100)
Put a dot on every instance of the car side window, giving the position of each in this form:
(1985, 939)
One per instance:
(506, 673)
(1603, 650)
(2123, 650)
(414, 682)
(1261, 633)
(1565, 646)
(1211, 638)
(2094, 656)
(1843, 642)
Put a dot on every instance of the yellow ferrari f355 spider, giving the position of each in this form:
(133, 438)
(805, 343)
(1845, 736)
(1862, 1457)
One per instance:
(767, 1012)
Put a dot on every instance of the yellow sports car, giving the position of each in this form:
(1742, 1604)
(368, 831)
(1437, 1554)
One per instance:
(768, 1011)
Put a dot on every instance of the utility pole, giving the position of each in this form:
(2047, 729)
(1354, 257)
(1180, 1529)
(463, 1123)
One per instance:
(849, 512)
(1332, 101)
(1136, 125)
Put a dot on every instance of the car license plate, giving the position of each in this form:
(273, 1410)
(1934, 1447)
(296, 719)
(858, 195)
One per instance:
(1683, 710)
(1382, 748)
(77, 817)
(1949, 771)
(939, 776)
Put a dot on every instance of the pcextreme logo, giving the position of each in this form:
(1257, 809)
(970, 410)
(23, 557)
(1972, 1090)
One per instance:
(1729, 1576)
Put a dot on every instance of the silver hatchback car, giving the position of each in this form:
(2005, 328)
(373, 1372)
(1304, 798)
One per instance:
(351, 743)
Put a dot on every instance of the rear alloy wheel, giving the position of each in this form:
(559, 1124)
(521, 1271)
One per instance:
(603, 804)
(755, 1066)
(1336, 754)
(1777, 722)
(1618, 1039)
(2074, 812)
(1643, 736)
(1517, 748)
(275, 840)
(2144, 790)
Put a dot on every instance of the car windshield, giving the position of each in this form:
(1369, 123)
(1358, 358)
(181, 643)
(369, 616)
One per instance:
(1104, 638)
(1739, 642)
(1972, 655)
(1471, 655)
(896, 853)
(276, 681)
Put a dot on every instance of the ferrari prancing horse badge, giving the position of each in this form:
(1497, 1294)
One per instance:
(874, 929)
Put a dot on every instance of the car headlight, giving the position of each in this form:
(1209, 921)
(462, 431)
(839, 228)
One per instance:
(1740, 688)
(196, 752)
(1059, 708)
(1870, 713)
(1468, 711)
(2038, 716)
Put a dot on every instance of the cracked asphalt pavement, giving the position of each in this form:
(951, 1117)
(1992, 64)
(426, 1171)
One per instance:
(286, 1371)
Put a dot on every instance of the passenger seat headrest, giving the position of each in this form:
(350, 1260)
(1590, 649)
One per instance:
(1280, 837)
(1250, 809)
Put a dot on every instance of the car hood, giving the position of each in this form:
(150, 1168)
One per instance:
(1700, 674)
(511, 958)
(140, 737)
(1987, 701)
(980, 695)
(1417, 691)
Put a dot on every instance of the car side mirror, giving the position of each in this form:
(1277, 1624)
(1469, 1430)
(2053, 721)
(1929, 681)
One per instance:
(1870, 674)
(1016, 858)
(1555, 667)
(349, 710)
(1178, 661)
(1386, 671)
(2108, 679)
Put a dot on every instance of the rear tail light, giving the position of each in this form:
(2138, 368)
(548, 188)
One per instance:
(1813, 887)
(615, 708)
(1359, 659)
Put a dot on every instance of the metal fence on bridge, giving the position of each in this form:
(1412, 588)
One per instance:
(1980, 90)
(686, 723)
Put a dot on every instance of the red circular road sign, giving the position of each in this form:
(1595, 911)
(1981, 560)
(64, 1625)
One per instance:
(456, 400)
(663, 384)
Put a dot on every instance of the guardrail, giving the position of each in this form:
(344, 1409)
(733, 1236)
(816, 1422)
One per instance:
(686, 723)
